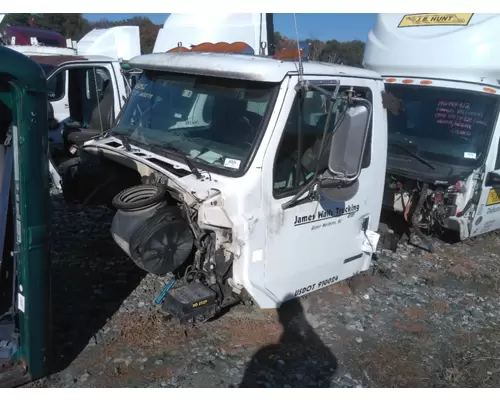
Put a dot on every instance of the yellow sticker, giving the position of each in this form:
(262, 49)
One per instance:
(435, 20)
(493, 197)
(199, 303)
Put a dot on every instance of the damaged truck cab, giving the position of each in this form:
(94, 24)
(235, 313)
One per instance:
(441, 76)
(249, 178)
(24, 221)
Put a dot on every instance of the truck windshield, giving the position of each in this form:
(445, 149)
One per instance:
(440, 124)
(213, 121)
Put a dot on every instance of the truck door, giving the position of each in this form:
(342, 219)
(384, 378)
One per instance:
(487, 217)
(315, 243)
(89, 85)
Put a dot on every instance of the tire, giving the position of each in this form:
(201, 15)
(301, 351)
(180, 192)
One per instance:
(140, 196)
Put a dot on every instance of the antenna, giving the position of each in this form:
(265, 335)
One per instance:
(301, 66)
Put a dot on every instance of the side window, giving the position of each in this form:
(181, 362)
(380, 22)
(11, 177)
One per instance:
(298, 156)
(96, 81)
(57, 86)
(89, 87)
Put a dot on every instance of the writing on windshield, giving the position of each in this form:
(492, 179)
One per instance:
(459, 116)
(442, 123)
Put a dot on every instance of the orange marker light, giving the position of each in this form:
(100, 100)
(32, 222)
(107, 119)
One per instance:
(407, 81)
(390, 80)
(489, 90)
(426, 82)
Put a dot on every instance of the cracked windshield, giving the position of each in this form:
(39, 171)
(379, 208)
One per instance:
(443, 125)
(213, 121)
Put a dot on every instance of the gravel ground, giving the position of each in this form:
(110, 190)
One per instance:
(417, 320)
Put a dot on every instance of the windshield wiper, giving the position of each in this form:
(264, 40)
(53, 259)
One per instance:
(124, 139)
(411, 153)
(173, 149)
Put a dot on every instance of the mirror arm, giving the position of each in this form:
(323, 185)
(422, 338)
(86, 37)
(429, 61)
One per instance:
(332, 95)
(299, 194)
(306, 85)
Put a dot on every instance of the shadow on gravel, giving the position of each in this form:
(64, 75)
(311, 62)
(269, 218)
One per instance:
(299, 359)
(91, 277)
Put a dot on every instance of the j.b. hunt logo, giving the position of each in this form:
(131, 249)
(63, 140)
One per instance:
(325, 214)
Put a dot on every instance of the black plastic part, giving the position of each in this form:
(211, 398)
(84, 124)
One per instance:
(191, 302)
(164, 243)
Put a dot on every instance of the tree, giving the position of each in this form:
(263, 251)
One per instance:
(18, 19)
(316, 48)
(73, 26)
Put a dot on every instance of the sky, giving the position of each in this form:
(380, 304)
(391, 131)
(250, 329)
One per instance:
(341, 27)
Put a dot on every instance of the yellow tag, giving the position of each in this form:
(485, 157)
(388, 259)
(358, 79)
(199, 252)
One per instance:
(435, 20)
(493, 197)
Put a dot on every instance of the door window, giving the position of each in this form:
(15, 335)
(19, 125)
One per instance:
(57, 86)
(298, 155)
(87, 89)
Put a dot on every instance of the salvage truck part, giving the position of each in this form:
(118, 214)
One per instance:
(442, 94)
(24, 221)
(253, 180)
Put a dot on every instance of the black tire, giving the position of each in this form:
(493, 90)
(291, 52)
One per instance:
(137, 197)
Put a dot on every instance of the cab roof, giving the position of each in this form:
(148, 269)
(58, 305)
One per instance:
(240, 66)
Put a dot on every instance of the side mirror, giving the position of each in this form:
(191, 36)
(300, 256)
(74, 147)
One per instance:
(492, 179)
(348, 143)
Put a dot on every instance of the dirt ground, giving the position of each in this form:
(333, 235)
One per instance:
(416, 320)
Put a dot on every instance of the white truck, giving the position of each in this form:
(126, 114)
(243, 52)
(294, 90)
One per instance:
(86, 86)
(234, 173)
(442, 74)
(99, 52)
(185, 31)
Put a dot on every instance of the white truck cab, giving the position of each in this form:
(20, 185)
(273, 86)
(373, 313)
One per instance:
(86, 86)
(100, 47)
(186, 30)
(79, 85)
(98, 53)
(246, 176)
(441, 75)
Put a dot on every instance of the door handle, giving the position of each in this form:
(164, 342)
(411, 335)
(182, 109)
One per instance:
(66, 106)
